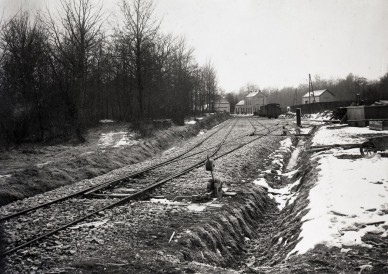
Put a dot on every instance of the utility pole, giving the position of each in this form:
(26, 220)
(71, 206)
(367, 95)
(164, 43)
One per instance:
(296, 97)
(311, 90)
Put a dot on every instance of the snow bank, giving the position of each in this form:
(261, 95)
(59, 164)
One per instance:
(327, 136)
(285, 144)
(325, 115)
(116, 139)
(282, 195)
(349, 200)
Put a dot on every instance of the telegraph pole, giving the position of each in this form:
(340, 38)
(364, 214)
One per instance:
(312, 89)
(296, 97)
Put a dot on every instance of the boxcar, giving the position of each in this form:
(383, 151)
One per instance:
(270, 111)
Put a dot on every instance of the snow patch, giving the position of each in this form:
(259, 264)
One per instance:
(282, 196)
(338, 210)
(305, 130)
(43, 164)
(196, 207)
(106, 121)
(285, 144)
(325, 115)
(91, 224)
(116, 139)
(343, 135)
(164, 202)
(6, 176)
(124, 141)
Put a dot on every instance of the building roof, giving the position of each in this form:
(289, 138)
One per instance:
(253, 94)
(241, 103)
(318, 93)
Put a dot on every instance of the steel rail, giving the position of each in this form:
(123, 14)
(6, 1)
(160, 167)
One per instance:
(262, 124)
(135, 195)
(146, 170)
(232, 141)
(105, 184)
(122, 201)
(131, 197)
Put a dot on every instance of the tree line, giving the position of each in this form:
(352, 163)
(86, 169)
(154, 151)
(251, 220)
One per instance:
(345, 89)
(62, 73)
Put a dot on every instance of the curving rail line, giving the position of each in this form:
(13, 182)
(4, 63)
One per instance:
(142, 191)
(112, 182)
(119, 202)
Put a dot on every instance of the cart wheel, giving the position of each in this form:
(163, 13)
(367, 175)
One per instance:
(368, 150)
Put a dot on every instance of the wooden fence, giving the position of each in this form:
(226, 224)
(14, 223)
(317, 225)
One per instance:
(319, 107)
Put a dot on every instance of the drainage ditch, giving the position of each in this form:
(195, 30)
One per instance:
(262, 228)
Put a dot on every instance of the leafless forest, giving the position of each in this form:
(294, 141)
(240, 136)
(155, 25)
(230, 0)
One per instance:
(60, 73)
(59, 76)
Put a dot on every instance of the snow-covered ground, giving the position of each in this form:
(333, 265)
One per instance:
(350, 196)
(345, 135)
(284, 195)
(321, 116)
(193, 120)
(116, 139)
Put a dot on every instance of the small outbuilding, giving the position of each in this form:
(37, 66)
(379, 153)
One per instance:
(323, 95)
(222, 105)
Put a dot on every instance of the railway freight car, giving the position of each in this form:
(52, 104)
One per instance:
(270, 111)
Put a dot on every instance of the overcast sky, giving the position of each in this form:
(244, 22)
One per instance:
(274, 43)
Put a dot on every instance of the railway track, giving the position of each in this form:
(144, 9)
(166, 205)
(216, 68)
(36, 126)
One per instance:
(217, 151)
(116, 180)
(64, 202)
(158, 173)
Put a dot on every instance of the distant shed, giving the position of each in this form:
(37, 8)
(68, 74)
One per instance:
(222, 105)
(323, 95)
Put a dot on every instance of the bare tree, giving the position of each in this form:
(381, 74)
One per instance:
(66, 73)
(74, 41)
(24, 75)
(141, 30)
(209, 78)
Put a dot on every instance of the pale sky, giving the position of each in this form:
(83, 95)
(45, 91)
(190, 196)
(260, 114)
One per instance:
(275, 42)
